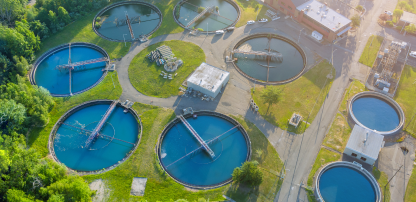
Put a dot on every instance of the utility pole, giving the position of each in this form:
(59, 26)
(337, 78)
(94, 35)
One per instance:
(300, 33)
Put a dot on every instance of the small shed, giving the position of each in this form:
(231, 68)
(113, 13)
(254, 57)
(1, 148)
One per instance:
(364, 144)
(407, 18)
(208, 79)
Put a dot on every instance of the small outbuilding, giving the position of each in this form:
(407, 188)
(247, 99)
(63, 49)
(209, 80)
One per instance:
(364, 144)
(407, 18)
(208, 79)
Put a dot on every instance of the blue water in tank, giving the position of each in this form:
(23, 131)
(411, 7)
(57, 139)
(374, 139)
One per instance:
(69, 143)
(375, 114)
(57, 82)
(343, 184)
(201, 170)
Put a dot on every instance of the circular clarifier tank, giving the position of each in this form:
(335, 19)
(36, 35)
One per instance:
(144, 19)
(269, 58)
(346, 182)
(119, 135)
(186, 161)
(61, 82)
(376, 111)
(227, 14)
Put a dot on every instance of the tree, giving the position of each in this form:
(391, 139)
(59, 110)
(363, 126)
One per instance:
(360, 8)
(20, 41)
(12, 115)
(39, 29)
(72, 188)
(410, 28)
(356, 20)
(63, 15)
(397, 13)
(4, 161)
(271, 95)
(384, 17)
(403, 4)
(14, 195)
(249, 174)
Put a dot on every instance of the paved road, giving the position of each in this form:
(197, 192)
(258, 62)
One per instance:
(298, 151)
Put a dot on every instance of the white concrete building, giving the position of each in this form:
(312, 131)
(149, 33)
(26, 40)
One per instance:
(364, 144)
(208, 79)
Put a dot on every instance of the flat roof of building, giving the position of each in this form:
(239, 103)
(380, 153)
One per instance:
(370, 147)
(408, 17)
(208, 77)
(324, 15)
(298, 2)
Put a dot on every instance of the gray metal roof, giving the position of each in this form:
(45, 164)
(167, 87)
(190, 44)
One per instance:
(324, 15)
(371, 147)
(208, 77)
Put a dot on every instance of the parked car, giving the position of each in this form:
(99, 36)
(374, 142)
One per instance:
(388, 13)
(263, 20)
(219, 31)
(412, 54)
(250, 22)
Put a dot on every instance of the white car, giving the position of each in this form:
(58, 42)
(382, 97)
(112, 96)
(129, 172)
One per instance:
(263, 20)
(219, 31)
(412, 54)
(250, 22)
(388, 13)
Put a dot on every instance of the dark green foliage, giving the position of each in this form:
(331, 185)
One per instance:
(72, 188)
(39, 29)
(356, 20)
(97, 25)
(12, 116)
(249, 174)
(36, 100)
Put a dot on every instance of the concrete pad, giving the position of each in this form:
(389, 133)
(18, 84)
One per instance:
(138, 186)
(102, 192)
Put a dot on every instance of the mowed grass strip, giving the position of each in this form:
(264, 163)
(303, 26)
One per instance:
(382, 179)
(38, 136)
(169, 25)
(269, 162)
(338, 134)
(410, 195)
(248, 11)
(354, 88)
(371, 49)
(406, 97)
(324, 157)
(145, 75)
(300, 96)
(81, 31)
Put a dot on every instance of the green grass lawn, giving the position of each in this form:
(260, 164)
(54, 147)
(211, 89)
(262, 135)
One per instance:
(81, 31)
(248, 11)
(371, 49)
(299, 96)
(168, 26)
(338, 134)
(145, 75)
(160, 187)
(324, 156)
(354, 88)
(410, 195)
(382, 180)
(38, 136)
(406, 97)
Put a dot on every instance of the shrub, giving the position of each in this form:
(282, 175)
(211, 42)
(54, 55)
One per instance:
(249, 174)
(200, 29)
(356, 20)
(389, 23)
(200, 9)
(217, 8)
(399, 28)
(97, 25)
(98, 19)
(360, 8)
(257, 7)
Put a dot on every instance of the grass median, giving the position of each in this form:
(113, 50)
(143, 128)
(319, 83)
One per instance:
(145, 75)
(371, 49)
(406, 97)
